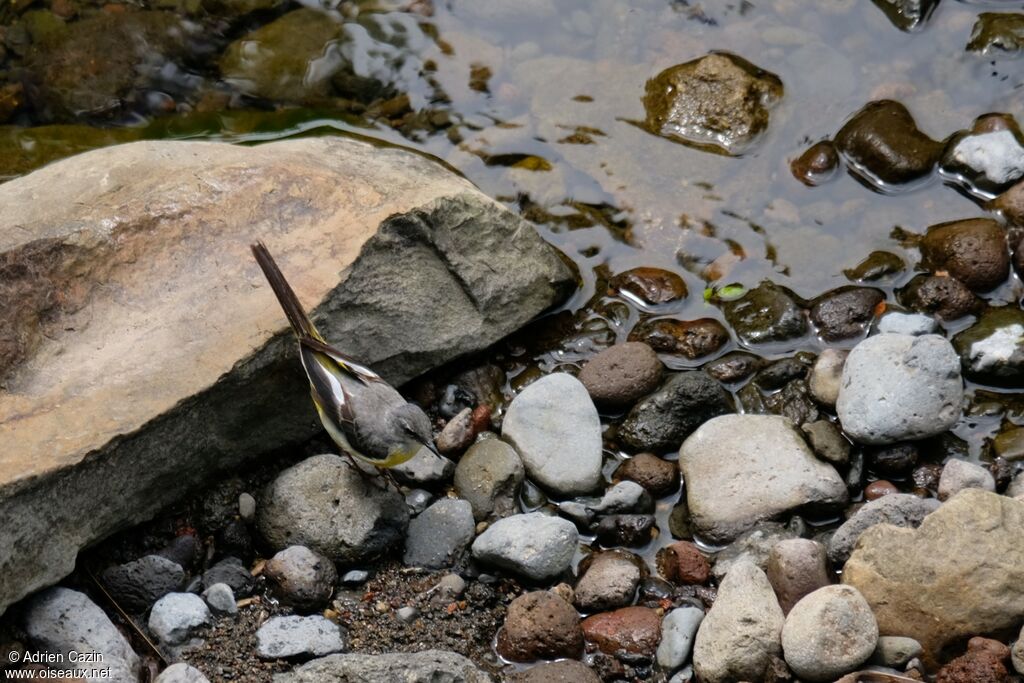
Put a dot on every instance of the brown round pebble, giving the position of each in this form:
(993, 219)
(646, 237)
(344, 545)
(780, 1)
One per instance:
(540, 625)
(608, 580)
(565, 671)
(877, 489)
(659, 477)
(631, 630)
(621, 374)
(816, 165)
(973, 251)
(796, 567)
(990, 645)
(944, 296)
(683, 562)
(650, 285)
(689, 338)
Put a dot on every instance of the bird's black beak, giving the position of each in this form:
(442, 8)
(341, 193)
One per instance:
(429, 445)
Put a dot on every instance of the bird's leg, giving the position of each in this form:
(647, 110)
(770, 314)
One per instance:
(363, 474)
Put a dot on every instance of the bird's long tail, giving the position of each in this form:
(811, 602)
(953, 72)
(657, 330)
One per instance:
(296, 315)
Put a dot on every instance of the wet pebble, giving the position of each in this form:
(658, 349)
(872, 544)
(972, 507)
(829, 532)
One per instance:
(626, 631)
(894, 460)
(1009, 444)
(883, 144)
(988, 159)
(992, 349)
(439, 536)
(137, 585)
(630, 531)
(817, 165)
(827, 441)
(355, 577)
(660, 477)
(608, 580)
(830, 632)
(683, 562)
(540, 625)
(878, 489)
(733, 366)
(177, 617)
(895, 651)
(295, 636)
(958, 475)
(489, 476)
(625, 497)
(532, 545)
(220, 599)
(649, 285)
(972, 251)
(946, 297)
(457, 434)
(877, 265)
(1011, 205)
(678, 629)
(845, 312)
(997, 33)
(301, 577)
(898, 509)
(915, 324)
(554, 426)
(620, 375)
(661, 421)
(797, 567)
(232, 572)
(767, 313)
(691, 339)
(898, 388)
(826, 376)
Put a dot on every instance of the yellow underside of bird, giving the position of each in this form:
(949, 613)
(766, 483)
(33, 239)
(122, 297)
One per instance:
(394, 458)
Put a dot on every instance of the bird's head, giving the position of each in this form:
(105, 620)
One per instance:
(415, 425)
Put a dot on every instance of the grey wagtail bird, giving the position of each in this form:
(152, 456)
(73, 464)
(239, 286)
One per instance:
(364, 415)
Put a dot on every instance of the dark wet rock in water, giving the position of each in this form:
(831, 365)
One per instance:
(630, 531)
(489, 476)
(1011, 205)
(907, 15)
(621, 374)
(283, 637)
(877, 265)
(767, 313)
(900, 509)
(893, 460)
(845, 312)
(661, 421)
(973, 251)
(742, 469)
(564, 671)
(734, 366)
(781, 372)
(970, 549)
(817, 165)
(988, 159)
(689, 338)
(90, 67)
(1009, 444)
(884, 146)
(720, 103)
(793, 402)
(827, 441)
(997, 33)
(627, 631)
(649, 285)
(439, 536)
(540, 625)
(945, 296)
(660, 477)
(322, 503)
(428, 665)
(60, 620)
(608, 580)
(301, 577)
(992, 349)
(137, 585)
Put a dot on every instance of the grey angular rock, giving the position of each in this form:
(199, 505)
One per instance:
(301, 577)
(533, 545)
(489, 476)
(554, 427)
(340, 215)
(609, 582)
(137, 585)
(439, 536)
(898, 509)
(424, 468)
(231, 571)
(958, 475)
(624, 497)
(176, 617)
(741, 469)
(899, 388)
(60, 620)
(895, 651)
(295, 636)
(323, 504)
(678, 629)
(221, 599)
(662, 420)
(181, 673)
(742, 631)
(829, 633)
(428, 666)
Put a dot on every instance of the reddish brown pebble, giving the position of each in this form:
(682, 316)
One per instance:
(540, 625)
(817, 164)
(976, 666)
(650, 285)
(683, 562)
(995, 648)
(659, 477)
(481, 419)
(877, 489)
(631, 630)
(690, 338)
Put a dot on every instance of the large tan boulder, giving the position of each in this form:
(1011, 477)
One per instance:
(960, 574)
(141, 350)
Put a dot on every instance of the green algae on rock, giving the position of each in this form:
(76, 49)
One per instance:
(719, 103)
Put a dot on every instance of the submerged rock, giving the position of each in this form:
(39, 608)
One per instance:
(688, 338)
(661, 421)
(741, 469)
(720, 102)
(945, 296)
(988, 159)
(907, 15)
(897, 388)
(428, 665)
(845, 312)
(885, 147)
(876, 266)
(972, 251)
(817, 165)
(972, 551)
(997, 33)
(372, 215)
(767, 313)
(992, 349)
(649, 285)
